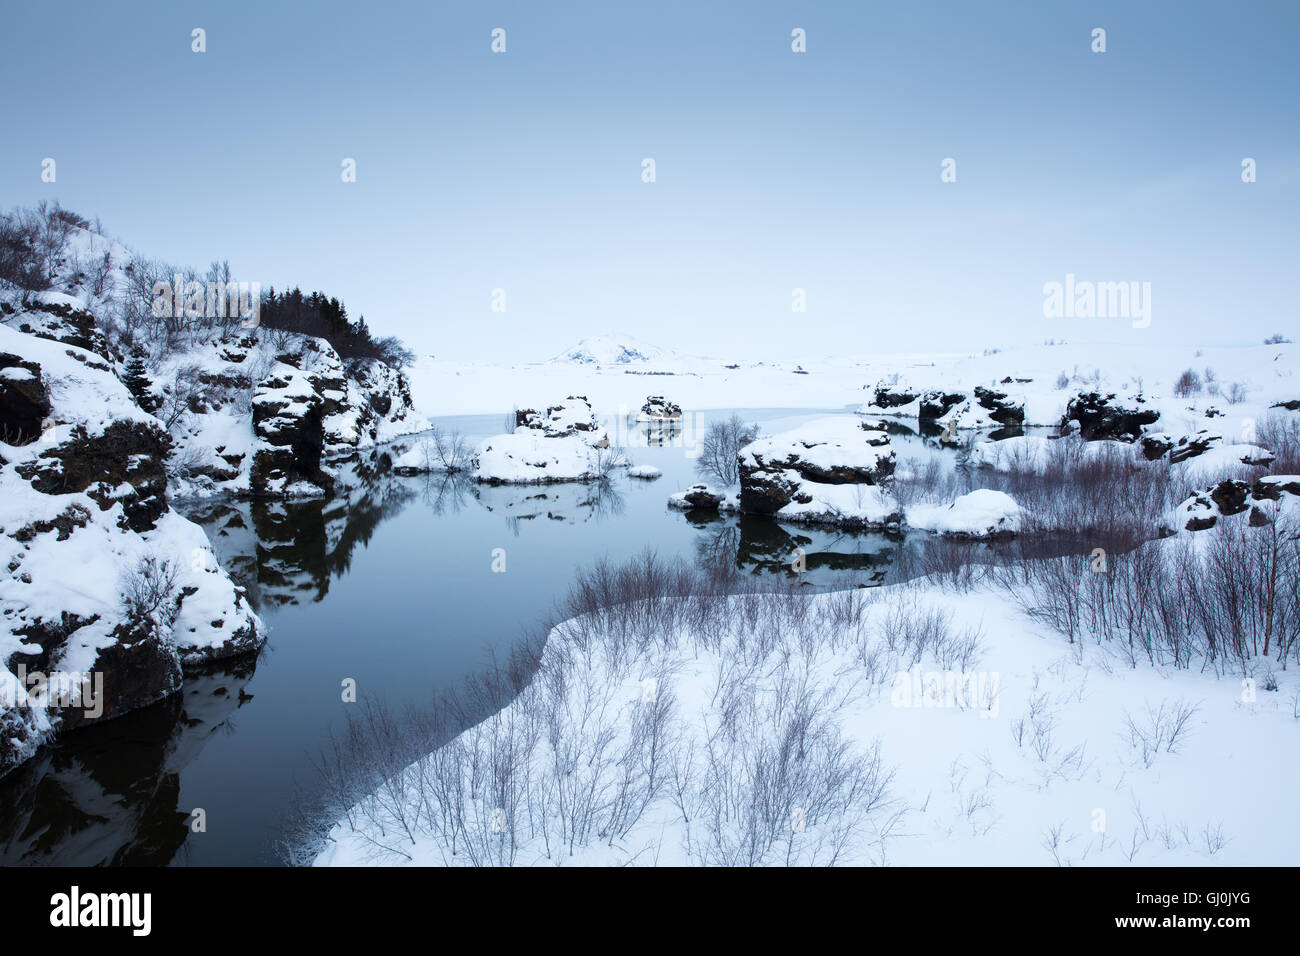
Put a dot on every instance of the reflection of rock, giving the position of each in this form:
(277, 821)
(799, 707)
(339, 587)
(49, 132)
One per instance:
(768, 547)
(569, 503)
(283, 551)
(662, 432)
(109, 795)
(813, 554)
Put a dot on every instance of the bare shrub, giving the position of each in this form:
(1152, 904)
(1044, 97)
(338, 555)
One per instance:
(1279, 432)
(1188, 384)
(1161, 729)
(181, 395)
(148, 593)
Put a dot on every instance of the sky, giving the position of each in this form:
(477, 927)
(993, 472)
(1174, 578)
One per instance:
(774, 170)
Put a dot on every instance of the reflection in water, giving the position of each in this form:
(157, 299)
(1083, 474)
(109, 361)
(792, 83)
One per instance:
(571, 502)
(826, 556)
(108, 794)
(285, 551)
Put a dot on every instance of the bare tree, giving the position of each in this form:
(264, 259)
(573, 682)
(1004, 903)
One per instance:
(720, 449)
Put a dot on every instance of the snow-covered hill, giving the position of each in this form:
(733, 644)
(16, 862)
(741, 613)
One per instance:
(614, 350)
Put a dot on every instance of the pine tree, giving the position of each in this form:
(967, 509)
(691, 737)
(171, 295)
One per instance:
(137, 381)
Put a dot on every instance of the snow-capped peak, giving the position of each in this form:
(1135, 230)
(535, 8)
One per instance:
(610, 350)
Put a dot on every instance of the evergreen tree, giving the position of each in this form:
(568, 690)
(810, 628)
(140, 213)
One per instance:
(137, 381)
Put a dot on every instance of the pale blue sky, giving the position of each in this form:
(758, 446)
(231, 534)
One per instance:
(775, 170)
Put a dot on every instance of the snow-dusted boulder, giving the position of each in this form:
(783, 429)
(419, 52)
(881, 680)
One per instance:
(983, 513)
(574, 417)
(828, 471)
(703, 497)
(980, 408)
(657, 408)
(106, 593)
(1098, 416)
(1263, 501)
(566, 442)
(530, 457)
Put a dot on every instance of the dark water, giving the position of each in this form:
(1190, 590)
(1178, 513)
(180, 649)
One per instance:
(391, 586)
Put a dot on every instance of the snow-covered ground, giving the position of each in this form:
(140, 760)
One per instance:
(998, 744)
(1266, 375)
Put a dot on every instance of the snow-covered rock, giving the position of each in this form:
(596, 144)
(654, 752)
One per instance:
(649, 472)
(657, 408)
(826, 472)
(1098, 416)
(100, 581)
(983, 513)
(222, 388)
(566, 442)
(1268, 499)
(573, 417)
(530, 457)
(704, 497)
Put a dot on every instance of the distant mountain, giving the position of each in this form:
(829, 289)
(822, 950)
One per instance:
(612, 350)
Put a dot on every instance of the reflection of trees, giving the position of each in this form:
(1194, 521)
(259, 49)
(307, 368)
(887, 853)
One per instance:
(444, 491)
(108, 794)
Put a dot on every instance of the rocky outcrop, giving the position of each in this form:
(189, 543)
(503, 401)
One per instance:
(1265, 499)
(827, 472)
(572, 417)
(698, 497)
(658, 408)
(980, 408)
(121, 465)
(310, 407)
(108, 594)
(289, 419)
(58, 318)
(1100, 417)
(1001, 408)
(24, 404)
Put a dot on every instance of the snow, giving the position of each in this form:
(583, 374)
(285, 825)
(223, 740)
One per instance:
(78, 565)
(979, 514)
(644, 471)
(1014, 752)
(832, 442)
(611, 350)
(530, 457)
(1268, 373)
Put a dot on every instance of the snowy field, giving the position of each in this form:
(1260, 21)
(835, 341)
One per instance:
(1265, 373)
(908, 725)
